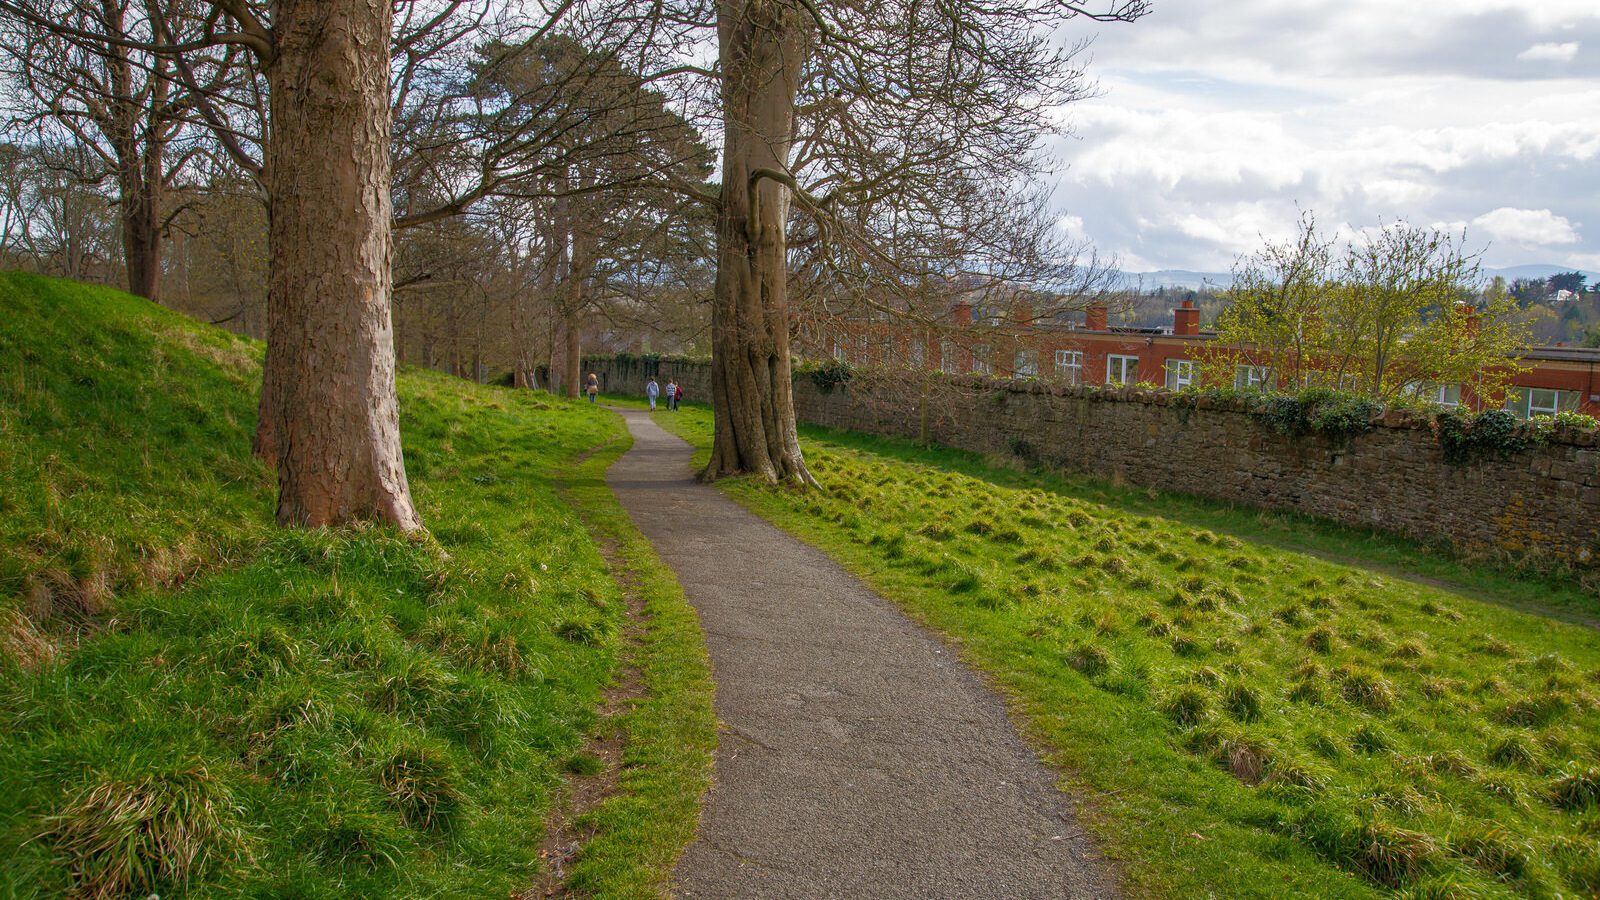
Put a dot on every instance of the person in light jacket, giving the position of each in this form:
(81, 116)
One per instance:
(672, 395)
(652, 391)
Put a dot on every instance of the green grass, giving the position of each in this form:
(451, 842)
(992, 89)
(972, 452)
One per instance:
(670, 733)
(1250, 704)
(193, 701)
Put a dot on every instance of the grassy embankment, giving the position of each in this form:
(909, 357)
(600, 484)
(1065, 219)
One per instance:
(193, 701)
(1251, 704)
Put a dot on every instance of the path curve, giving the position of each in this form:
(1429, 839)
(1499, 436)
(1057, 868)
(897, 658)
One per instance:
(858, 757)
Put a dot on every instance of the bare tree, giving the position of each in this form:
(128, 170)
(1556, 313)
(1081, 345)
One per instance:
(316, 78)
(849, 115)
(87, 73)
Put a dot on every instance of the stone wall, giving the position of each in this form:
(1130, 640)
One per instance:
(1543, 501)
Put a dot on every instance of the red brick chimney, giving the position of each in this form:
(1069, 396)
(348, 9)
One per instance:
(1186, 320)
(1097, 318)
(962, 314)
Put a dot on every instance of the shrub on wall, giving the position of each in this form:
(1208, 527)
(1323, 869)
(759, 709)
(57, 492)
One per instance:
(1321, 411)
(1465, 437)
(828, 374)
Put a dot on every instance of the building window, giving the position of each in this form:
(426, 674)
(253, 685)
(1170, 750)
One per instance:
(1530, 402)
(1122, 369)
(948, 360)
(1180, 374)
(1445, 395)
(980, 360)
(1027, 364)
(1069, 365)
(838, 351)
(918, 353)
(1251, 378)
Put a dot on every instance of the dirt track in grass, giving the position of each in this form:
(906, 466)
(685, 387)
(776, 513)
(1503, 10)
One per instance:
(859, 757)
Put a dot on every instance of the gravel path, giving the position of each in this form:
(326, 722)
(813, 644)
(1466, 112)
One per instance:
(859, 758)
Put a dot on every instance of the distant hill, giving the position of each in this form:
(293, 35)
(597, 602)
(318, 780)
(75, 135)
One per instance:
(1178, 278)
(1512, 273)
(1190, 280)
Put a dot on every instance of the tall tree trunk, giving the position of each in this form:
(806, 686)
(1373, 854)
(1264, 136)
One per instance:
(571, 354)
(140, 210)
(522, 362)
(329, 390)
(763, 47)
(135, 130)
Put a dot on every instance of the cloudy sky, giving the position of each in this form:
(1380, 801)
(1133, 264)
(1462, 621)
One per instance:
(1218, 122)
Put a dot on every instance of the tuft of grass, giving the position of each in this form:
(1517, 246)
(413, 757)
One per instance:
(1365, 688)
(1091, 659)
(360, 839)
(1322, 639)
(1495, 850)
(1188, 705)
(1534, 711)
(421, 781)
(1513, 751)
(145, 833)
(1242, 701)
(1393, 856)
(1369, 739)
(1576, 790)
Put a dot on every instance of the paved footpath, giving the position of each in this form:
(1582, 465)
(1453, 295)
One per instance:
(859, 758)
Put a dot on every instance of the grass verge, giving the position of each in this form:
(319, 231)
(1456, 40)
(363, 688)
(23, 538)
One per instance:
(1251, 705)
(668, 732)
(193, 701)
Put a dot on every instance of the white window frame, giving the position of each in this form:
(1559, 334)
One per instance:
(1180, 374)
(1250, 378)
(1071, 363)
(1026, 364)
(1445, 395)
(1520, 401)
(1123, 362)
(1543, 409)
(980, 359)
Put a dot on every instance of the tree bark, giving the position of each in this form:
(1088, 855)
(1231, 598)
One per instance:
(571, 355)
(763, 47)
(330, 410)
(136, 128)
(140, 209)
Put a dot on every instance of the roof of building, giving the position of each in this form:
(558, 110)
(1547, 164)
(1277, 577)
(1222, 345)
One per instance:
(1564, 354)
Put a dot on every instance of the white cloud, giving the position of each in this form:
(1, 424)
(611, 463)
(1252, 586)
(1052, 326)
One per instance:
(1535, 227)
(1070, 224)
(1564, 52)
(1215, 130)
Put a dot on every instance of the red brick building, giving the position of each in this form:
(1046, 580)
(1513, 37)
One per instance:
(1559, 379)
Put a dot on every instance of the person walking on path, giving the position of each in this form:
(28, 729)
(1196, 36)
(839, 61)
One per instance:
(672, 395)
(593, 387)
(652, 391)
